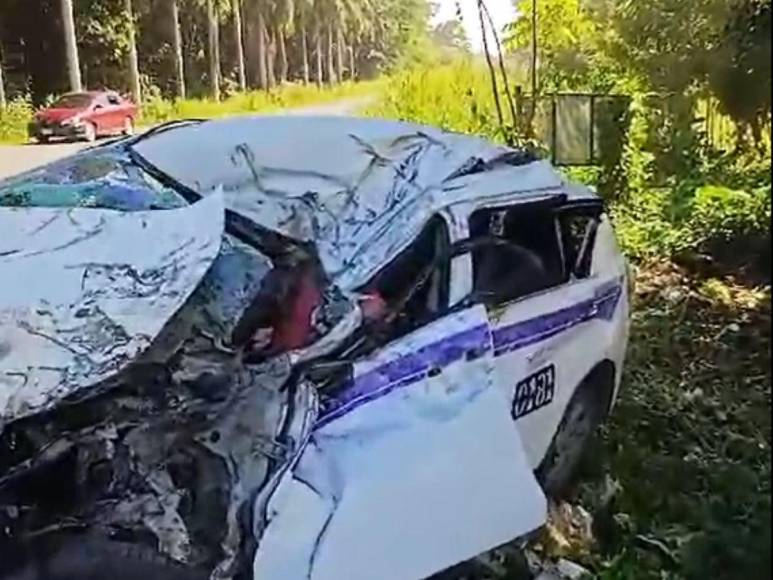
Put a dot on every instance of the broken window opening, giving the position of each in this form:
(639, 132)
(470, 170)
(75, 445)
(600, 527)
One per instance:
(578, 232)
(516, 251)
(414, 286)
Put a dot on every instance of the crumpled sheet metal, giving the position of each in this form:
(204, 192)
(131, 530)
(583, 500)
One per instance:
(364, 485)
(360, 189)
(90, 291)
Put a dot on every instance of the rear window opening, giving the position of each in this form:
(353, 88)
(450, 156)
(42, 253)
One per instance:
(516, 251)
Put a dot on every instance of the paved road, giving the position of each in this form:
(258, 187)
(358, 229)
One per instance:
(17, 158)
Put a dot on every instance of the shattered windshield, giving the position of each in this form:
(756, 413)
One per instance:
(105, 178)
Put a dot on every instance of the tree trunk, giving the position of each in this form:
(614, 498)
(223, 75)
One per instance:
(305, 51)
(214, 50)
(352, 72)
(331, 75)
(177, 46)
(134, 68)
(318, 56)
(71, 46)
(339, 52)
(238, 41)
(263, 52)
(2, 86)
(271, 60)
(283, 66)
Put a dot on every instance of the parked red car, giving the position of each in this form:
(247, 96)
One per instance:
(86, 116)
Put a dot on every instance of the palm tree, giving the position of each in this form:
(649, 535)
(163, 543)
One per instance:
(282, 20)
(304, 12)
(214, 50)
(134, 71)
(318, 54)
(71, 46)
(238, 40)
(177, 46)
(2, 85)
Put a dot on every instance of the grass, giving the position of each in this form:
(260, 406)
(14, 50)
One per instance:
(13, 121)
(689, 442)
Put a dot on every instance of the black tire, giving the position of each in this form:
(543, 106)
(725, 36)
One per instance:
(43, 140)
(583, 415)
(102, 559)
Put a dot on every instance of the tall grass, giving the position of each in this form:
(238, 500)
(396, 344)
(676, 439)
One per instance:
(456, 97)
(13, 120)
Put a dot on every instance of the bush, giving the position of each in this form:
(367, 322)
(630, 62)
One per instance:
(14, 119)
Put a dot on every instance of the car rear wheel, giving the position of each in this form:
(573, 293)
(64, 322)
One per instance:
(90, 133)
(583, 415)
(128, 126)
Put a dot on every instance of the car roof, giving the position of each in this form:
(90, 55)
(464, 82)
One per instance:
(360, 189)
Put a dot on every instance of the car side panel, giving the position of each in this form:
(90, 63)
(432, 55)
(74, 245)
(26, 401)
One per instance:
(420, 469)
(571, 329)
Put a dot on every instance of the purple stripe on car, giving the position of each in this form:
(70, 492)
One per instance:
(406, 370)
(414, 367)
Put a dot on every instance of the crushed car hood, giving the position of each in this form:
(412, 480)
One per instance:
(358, 189)
(91, 290)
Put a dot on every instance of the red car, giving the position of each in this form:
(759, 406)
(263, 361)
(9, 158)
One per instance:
(86, 116)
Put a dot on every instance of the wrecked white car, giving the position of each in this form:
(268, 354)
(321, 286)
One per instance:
(295, 348)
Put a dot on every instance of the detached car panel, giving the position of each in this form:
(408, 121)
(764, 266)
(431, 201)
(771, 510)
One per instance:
(289, 348)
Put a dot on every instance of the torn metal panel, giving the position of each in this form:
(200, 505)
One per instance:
(92, 289)
(383, 467)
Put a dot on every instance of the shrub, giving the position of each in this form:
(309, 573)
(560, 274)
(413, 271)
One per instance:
(14, 119)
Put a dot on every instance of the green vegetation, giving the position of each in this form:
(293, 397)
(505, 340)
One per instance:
(679, 481)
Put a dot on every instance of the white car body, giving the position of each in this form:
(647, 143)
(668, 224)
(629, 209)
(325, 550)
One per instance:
(425, 455)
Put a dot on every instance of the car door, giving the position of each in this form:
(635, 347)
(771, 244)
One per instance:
(117, 112)
(413, 465)
(100, 115)
(549, 333)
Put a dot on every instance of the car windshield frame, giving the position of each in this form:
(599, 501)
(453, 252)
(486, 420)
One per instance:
(73, 101)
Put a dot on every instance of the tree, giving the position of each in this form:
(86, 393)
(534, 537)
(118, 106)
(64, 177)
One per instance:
(239, 43)
(2, 84)
(177, 49)
(134, 71)
(213, 50)
(740, 75)
(71, 46)
(450, 36)
(282, 16)
(567, 38)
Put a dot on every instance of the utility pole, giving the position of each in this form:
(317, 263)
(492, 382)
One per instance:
(134, 68)
(71, 46)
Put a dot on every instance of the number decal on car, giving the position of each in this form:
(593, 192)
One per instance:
(534, 392)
